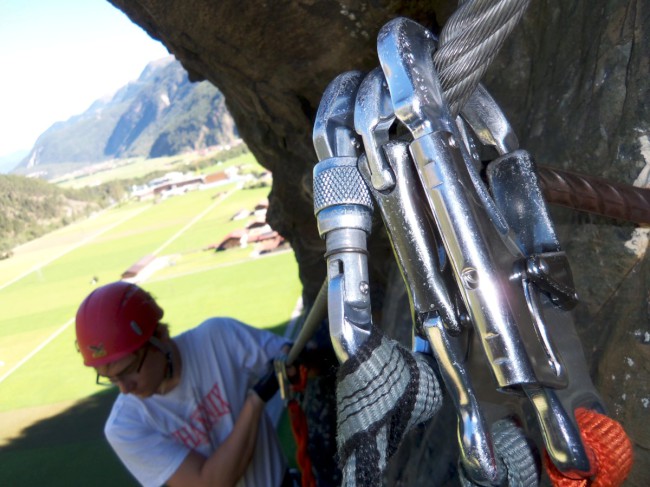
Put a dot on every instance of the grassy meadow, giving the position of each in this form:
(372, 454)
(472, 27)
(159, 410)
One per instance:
(51, 410)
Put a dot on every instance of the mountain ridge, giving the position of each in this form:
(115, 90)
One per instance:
(162, 113)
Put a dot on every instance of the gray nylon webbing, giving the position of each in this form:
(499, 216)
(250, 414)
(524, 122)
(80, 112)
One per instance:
(514, 454)
(382, 393)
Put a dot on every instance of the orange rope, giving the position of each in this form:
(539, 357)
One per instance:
(300, 431)
(611, 448)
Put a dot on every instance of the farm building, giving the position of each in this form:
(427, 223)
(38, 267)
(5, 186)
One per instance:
(138, 267)
(172, 182)
(269, 242)
(216, 177)
(258, 227)
(240, 215)
(187, 183)
(230, 241)
(261, 208)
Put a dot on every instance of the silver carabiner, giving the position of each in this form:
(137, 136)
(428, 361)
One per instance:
(482, 248)
(343, 208)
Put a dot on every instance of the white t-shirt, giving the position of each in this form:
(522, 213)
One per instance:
(221, 359)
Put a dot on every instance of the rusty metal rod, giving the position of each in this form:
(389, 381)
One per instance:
(595, 195)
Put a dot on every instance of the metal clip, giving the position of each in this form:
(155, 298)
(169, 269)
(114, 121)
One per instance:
(343, 207)
(479, 254)
(333, 133)
(373, 117)
(482, 248)
(426, 273)
(545, 277)
(488, 121)
(280, 366)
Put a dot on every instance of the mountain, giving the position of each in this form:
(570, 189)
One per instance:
(160, 114)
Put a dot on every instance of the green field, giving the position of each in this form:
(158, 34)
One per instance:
(51, 411)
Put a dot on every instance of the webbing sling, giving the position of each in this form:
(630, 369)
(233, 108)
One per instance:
(382, 392)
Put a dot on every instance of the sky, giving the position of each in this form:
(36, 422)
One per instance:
(57, 57)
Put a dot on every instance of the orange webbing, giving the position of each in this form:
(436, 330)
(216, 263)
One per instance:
(611, 448)
(300, 432)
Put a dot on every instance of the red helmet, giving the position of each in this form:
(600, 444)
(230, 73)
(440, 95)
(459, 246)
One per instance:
(114, 321)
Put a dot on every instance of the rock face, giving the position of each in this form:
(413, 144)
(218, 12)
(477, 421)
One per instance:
(573, 78)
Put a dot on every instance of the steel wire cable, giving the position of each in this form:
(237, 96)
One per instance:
(469, 41)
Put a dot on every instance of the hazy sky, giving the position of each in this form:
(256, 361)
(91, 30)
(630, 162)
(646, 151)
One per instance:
(57, 57)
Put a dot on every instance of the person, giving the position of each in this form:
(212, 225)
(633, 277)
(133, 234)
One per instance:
(191, 408)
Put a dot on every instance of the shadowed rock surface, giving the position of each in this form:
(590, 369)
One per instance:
(573, 79)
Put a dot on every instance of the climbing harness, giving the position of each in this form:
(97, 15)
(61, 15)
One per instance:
(299, 426)
(489, 284)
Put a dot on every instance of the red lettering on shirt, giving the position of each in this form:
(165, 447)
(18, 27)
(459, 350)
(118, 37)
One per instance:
(216, 402)
(205, 416)
(183, 435)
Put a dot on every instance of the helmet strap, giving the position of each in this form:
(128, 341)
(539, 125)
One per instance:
(167, 351)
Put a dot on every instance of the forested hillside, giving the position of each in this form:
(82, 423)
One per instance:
(31, 207)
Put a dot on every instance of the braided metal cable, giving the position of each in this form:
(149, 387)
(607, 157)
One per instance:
(469, 41)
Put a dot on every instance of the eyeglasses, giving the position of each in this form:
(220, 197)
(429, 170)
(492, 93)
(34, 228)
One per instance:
(130, 369)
